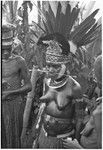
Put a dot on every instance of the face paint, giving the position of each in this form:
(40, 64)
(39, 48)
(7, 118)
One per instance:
(53, 70)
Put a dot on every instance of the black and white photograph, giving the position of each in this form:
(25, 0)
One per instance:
(51, 74)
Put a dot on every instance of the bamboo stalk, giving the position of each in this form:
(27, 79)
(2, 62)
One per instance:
(30, 97)
(39, 120)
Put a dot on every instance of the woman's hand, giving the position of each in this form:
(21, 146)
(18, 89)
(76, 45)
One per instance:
(71, 144)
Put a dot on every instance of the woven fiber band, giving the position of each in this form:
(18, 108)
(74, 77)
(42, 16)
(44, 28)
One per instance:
(57, 59)
(54, 53)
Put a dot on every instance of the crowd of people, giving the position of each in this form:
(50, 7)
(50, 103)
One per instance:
(59, 122)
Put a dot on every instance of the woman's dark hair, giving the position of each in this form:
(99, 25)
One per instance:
(57, 37)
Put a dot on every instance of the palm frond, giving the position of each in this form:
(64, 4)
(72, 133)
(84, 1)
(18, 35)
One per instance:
(15, 7)
(4, 8)
(30, 5)
(40, 11)
(39, 26)
(9, 9)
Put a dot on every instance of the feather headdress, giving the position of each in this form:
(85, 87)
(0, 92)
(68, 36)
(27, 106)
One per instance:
(63, 24)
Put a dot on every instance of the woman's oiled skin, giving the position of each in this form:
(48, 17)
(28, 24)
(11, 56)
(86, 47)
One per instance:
(59, 101)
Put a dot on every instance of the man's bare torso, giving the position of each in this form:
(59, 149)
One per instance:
(11, 72)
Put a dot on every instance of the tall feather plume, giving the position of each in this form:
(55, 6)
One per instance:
(64, 24)
(51, 15)
(73, 18)
(68, 15)
(57, 21)
(84, 33)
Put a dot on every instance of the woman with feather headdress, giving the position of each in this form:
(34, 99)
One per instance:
(61, 43)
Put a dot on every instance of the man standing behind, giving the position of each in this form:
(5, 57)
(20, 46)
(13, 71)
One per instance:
(14, 71)
(91, 136)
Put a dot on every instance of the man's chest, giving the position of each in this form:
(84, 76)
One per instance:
(9, 68)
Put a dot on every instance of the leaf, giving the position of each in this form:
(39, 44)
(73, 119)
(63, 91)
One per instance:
(15, 5)
(30, 5)
(20, 12)
(85, 71)
(39, 11)
(39, 26)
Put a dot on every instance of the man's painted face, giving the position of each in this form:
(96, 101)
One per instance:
(53, 70)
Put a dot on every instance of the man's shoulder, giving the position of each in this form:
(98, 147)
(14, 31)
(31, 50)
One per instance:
(18, 58)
